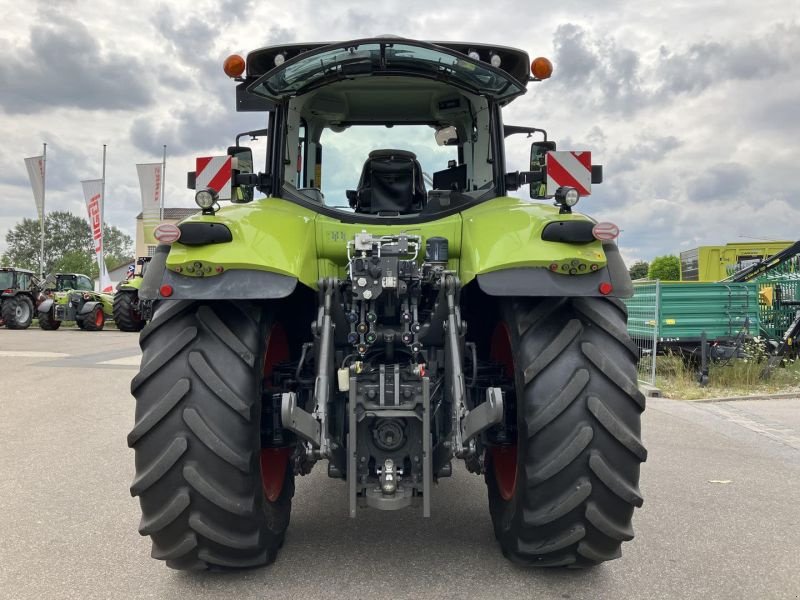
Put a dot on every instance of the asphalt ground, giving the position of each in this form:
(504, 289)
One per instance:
(721, 517)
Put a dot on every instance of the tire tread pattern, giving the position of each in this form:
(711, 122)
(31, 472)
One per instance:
(579, 434)
(196, 438)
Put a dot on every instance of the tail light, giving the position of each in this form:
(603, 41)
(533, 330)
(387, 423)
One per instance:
(167, 233)
(605, 231)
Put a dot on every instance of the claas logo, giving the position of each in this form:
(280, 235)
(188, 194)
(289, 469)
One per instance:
(94, 218)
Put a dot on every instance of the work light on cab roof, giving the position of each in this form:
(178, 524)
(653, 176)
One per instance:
(233, 66)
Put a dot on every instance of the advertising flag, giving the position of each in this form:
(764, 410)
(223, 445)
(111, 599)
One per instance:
(93, 192)
(35, 166)
(150, 185)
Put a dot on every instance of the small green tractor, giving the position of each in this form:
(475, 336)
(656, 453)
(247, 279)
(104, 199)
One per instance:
(19, 295)
(71, 297)
(387, 306)
(130, 312)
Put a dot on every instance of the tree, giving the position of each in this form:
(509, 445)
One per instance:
(67, 241)
(665, 268)
(639, 269)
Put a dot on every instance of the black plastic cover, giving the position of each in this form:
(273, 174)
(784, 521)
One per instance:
(200, 234)
(570, 232)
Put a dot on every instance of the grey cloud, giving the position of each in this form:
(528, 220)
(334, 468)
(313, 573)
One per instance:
(648, 150)
(720, 182)
(191, 130)
(64, 66)
(598, 71)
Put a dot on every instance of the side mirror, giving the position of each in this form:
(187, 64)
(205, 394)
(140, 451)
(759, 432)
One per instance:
(539, 152)
(447, 136)
(242, 165)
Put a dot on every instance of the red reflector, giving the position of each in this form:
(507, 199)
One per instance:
(605, 288)
(605, 231)
(166, 290)
(8, 291)
(167, 233)
(554, 267)
(219, 269)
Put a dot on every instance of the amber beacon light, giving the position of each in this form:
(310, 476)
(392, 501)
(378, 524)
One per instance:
(541, 68)
(233, 66)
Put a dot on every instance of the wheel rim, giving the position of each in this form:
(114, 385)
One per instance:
(274, 461)
(99, 318)
(504, 458)
(22, 312)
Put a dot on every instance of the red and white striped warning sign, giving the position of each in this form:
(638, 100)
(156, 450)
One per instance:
(214, 172)
(569, 169)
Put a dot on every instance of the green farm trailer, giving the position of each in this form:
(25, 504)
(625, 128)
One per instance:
(678, 313)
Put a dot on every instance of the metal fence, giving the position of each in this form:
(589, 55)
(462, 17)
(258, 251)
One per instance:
(643, 320)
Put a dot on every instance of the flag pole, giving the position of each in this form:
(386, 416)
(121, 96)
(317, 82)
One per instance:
(101, 267)
(103, 194)
(163, 182)
(41, 220)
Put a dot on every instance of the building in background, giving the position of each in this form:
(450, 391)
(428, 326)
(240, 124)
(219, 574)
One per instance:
(116, 273)
(171, 215)
(714, 263)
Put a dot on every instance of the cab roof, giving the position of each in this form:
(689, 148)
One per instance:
(515, 62)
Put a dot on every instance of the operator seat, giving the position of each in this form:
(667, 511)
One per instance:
(391, 182)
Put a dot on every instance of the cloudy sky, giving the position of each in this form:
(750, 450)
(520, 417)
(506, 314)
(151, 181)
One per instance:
(693, 107)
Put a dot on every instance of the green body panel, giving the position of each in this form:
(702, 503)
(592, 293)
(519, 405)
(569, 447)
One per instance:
(131, 285)
(283, 237)
(268, 235)
(687, 309)
(333, 235)
(507, 233)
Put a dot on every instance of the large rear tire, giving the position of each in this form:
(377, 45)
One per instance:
(126, 315)
(17, 312)
(564, 493)
(197, 438)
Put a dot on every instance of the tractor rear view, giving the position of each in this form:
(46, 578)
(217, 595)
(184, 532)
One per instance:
(386, 309)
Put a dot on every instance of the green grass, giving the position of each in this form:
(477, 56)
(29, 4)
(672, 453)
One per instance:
(738, 377)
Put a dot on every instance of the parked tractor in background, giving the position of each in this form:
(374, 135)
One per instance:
(423, 317)
(130, 312)
(71, 297)
(19, 295)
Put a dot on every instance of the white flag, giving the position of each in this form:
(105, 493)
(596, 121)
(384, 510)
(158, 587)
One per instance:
(35, 166)
(93, 192)
(150, 186)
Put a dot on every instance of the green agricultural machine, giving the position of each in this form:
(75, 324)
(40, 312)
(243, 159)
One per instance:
(130, 312)
(19, 295)
(385, 309)
(71, 297)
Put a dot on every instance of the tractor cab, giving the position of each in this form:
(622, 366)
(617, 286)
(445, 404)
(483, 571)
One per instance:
(64, 282)
(383, 127)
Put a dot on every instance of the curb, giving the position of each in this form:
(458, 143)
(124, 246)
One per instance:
(783, 396)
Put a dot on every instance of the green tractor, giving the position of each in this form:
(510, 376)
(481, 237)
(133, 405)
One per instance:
(71, 297)
(422, 316)
(130, 312)
(19, 294)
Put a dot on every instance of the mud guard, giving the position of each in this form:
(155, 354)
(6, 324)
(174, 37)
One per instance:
(45, 306)
(239, 284)
(88, 307)
(542, 282)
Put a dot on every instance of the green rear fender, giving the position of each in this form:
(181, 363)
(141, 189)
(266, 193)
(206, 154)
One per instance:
(503, 249)
(270, 235)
